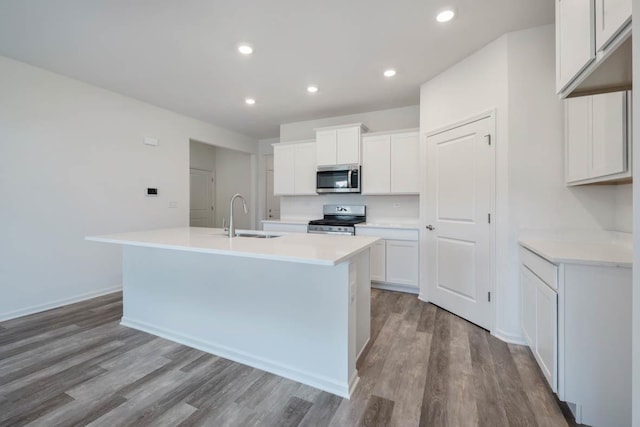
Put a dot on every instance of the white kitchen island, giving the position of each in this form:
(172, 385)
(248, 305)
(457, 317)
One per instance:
(297, 305)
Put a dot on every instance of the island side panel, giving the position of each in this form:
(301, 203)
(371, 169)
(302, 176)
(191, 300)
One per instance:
(287, 318)
(361, 264)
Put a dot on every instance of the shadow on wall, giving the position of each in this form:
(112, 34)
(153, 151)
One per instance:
(216, 174)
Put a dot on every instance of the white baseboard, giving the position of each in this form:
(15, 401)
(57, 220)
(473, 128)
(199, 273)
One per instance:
(292, 373)
(509, 337)
(396, 288)
(59, 303)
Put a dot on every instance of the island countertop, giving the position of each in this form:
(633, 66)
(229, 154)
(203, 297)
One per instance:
(319, 249)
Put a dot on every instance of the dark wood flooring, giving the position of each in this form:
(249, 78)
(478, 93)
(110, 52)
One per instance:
(76, 366)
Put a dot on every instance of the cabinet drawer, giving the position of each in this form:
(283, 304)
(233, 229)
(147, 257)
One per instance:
(542, 268)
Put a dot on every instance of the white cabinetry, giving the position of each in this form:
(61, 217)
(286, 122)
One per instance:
(390, 163)
(611, 17)
(577, 321)
(574, 39)
(539, 313)
(597, 139)
(593, 46)
(394, 260)
(338, 145)
(294, 169)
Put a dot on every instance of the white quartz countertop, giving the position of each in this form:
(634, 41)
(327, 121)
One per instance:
(319, 249)
(610, 253)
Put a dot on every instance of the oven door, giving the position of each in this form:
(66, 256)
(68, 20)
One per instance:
(338, 179)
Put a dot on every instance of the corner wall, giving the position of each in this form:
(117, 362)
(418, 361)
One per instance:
(72, 164)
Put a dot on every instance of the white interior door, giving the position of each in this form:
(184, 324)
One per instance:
(201, 198)
(458, 234)
(272, 208)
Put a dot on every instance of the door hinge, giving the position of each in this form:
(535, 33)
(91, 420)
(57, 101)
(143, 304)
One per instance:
(489, 296)
(489, 218)
(488, 138)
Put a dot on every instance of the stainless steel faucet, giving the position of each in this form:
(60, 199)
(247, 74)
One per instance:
(232, 228)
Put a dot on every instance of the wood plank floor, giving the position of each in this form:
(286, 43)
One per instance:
(76, 366)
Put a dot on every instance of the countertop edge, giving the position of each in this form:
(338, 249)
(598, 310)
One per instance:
(574, 260)
(254, 255)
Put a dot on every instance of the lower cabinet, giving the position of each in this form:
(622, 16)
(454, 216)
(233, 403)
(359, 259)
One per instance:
(539, 320)
(577, 321)
(394, 260)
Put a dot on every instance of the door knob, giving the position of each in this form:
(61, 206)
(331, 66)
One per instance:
(430, 227)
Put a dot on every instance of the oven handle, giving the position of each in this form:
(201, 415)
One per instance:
(349, 178)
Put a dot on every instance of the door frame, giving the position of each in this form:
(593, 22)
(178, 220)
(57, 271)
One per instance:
(424, 206)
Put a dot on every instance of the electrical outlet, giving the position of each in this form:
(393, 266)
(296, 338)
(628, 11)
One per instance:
(152, 192)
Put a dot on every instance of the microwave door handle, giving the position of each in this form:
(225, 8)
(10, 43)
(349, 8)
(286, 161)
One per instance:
(349, 178)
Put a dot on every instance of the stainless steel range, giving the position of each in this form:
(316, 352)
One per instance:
(338, 219)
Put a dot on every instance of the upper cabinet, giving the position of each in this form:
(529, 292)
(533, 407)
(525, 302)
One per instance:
(574, 39)
(593, 46)
(597, 135)
(390, 163)
(338, 145)
(611, 17)
(294, 169)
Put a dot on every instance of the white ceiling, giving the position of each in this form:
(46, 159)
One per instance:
(182, 55)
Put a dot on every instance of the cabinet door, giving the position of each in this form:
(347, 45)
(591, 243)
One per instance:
(608, 151)
(528, 306)
(577, 138)
(283, 169)
(348, 146)
(547, 332)
(326, 147)
(575, 41)
(378, 261)
(405, 163)
(376, 173)
(402, 262)
(611, 16)
(305, 168)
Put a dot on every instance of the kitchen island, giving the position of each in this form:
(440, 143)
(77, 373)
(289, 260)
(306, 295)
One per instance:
(296, 305)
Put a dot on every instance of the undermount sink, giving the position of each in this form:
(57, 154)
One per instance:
(256, 235)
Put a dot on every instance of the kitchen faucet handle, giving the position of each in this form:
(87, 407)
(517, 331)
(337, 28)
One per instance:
(224, 226)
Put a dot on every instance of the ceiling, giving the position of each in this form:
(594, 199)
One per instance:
(182, 55)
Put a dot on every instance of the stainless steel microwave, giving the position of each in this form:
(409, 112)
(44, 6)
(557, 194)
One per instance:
(338, 179)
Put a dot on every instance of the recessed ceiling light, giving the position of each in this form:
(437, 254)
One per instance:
(250, 101)
(312, 89)
(245, 49)
(445, 16)
(390, 73)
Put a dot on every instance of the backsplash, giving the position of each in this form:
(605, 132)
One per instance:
(379, 208)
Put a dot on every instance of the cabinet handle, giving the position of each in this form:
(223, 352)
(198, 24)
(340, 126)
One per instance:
(430, 227)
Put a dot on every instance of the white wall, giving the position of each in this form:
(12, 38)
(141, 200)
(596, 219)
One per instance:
(624, 208)
(233, 176)
(264, 147)
(516, 75)
(72, 164)
(202, 156)
(383, 120)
